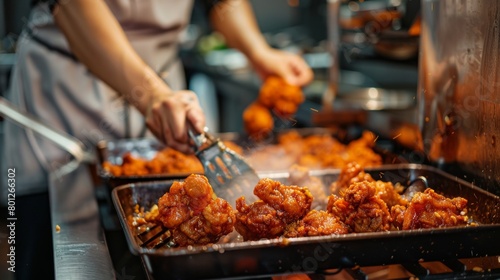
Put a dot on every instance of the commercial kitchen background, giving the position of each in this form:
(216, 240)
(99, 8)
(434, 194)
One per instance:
(226, 83)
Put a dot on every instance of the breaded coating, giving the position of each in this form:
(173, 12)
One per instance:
(215, 221)
(193, 212)
(360, 208)
(316, 223)
(258, 220)
(429, 209)
(299, 176)
(258, 121)
(294, 202)
(276, 94)
(315, 152)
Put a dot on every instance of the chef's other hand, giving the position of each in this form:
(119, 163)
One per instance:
(288, 66)
(170, 115)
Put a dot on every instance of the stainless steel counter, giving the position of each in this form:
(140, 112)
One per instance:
(80, 250)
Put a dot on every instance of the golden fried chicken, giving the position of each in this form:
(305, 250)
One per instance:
(360, 208)
(257, 220)
(193, 212)
(316, 223)
(258, 121)
(350, 174)
(290, 137)
(293, 202)
(165, 161)
(169, 160)
(270, 157)
(353, 173)
(429, 209)
(133, 166)
(315, 151)
(299, 176)
(390, 193)
(361, 151)
(276, 94)
(216, 220)
(234, 147)
(278, 206)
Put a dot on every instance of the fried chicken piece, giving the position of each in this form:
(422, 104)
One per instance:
(350, 174)
(257, 220)
(184, 200)
(390, 193)
(353, 173)
(193, 212)
(233, 147)
(289, 137)
(113, 169)
(321, 151)
(133, 166)
(293, 202)
(314, 151)
(361, 150)
(397, 216)
(360, 208)
(299, 176)
(276, 94)
(316, 223)
(258, 121)
(215, 221)
(278, 206)
(165, 161)
(429, 209)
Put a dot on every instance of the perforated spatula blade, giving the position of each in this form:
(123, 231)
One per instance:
(229, 174)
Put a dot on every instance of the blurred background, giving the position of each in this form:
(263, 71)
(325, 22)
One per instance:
(375, 56)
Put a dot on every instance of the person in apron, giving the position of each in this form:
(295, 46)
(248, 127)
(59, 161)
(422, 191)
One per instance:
(102, 70)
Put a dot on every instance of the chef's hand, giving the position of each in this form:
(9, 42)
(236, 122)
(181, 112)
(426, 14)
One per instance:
(168, 117)
(286, 65)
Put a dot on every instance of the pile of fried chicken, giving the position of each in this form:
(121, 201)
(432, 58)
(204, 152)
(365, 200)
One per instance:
(317, 151)
(165, 161)
(356, 203)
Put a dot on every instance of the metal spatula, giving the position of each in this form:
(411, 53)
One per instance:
(228, 173)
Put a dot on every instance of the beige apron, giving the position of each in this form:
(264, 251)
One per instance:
(49, 82)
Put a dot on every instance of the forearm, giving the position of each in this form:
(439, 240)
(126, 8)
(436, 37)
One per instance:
(235, 20)
(98, 41)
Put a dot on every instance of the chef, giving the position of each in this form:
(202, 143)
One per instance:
(108, 69)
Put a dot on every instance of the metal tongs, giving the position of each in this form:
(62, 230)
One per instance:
(229, 174)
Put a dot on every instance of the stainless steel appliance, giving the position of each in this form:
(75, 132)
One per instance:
(459, 86)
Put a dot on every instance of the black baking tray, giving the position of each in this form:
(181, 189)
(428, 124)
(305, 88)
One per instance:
(147, 148)
(317, 254)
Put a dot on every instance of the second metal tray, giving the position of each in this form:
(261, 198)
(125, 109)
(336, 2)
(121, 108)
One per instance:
(113, 152)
